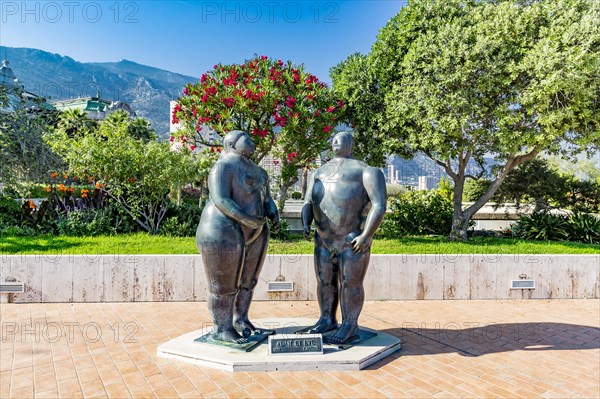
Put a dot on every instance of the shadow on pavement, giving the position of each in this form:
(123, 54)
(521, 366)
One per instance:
(473, 339)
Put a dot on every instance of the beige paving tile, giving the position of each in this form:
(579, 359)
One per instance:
(117, 391)
(142, 393)
(70, 388)
(93, 389)
(47, 394)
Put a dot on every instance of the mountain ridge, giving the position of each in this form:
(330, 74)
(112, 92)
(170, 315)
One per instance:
(59, 77)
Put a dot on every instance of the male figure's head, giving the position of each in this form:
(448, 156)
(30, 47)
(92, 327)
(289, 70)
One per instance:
(342, 145)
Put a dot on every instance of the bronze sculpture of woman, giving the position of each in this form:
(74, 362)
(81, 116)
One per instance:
(233, 236)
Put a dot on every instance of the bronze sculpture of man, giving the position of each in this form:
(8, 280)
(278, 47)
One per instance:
(347, 200)
(233, 237)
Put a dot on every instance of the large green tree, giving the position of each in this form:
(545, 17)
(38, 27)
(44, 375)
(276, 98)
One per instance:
(465, 80)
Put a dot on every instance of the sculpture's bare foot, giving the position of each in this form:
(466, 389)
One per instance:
(229, 335)
(347, 333)
(245, 325)
(322, 326)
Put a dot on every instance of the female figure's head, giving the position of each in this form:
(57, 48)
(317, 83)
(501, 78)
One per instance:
(239, 142)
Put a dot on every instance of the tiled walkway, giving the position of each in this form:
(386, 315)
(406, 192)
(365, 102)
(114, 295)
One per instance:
(450, 349)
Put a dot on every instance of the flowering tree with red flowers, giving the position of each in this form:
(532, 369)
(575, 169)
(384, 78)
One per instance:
(289, 112)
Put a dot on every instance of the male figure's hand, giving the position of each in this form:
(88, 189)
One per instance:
(275, 224)
(307, 232)
(361, 243)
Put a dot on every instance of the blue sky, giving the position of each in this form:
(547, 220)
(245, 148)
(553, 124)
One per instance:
(189, 37)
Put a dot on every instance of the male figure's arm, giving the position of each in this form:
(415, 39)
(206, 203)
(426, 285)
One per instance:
(271, 209)
(307, 209)
(374, 183)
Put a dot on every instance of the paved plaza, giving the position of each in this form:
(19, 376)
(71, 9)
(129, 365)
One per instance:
(535, 348)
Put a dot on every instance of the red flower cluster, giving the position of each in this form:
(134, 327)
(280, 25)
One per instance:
(229, 101)
(176, 109)
(292, 155)
(279, 120)
(230, 81)
(296, 76)
(290, 102)
(259, 132)
(327, 128)
(275, 75)
(311, 79)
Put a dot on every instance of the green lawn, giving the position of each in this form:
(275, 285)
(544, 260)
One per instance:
(145, 244)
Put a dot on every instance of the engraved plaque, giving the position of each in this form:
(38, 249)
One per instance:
(307, 344)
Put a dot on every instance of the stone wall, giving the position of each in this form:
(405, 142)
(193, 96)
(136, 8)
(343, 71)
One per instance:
(141, 278)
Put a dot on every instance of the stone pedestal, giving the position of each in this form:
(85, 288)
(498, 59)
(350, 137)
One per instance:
(333, 358)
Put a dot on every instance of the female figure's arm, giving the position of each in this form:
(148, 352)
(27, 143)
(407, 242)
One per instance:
(220, 182)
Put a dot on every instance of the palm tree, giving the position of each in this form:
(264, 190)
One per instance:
(75, 122)
(141, 129)
(116, 119)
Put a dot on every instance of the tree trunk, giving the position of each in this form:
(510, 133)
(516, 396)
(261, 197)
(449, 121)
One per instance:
(460, 217)
(281, 197)
(460, 221)
(304, 183)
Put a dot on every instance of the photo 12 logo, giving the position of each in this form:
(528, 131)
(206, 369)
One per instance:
(68, 11)
(269, 11)
(70, 332)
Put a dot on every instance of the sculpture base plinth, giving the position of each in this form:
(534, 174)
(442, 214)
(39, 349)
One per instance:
(334, 357)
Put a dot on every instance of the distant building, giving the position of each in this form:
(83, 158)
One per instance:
(393, 174)
(17, 95)
(427, 182)
(96, 108)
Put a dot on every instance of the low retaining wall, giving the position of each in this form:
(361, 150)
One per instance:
(133, 278)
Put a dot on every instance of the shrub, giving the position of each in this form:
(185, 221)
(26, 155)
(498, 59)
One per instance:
(296, 195)
(541, 226)
(584, 227)
(546, 226)
(416, 213)
(11, 212)
(284, 230)
(181, 220)
(16, 231)
(394, 190)
(85, 222)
